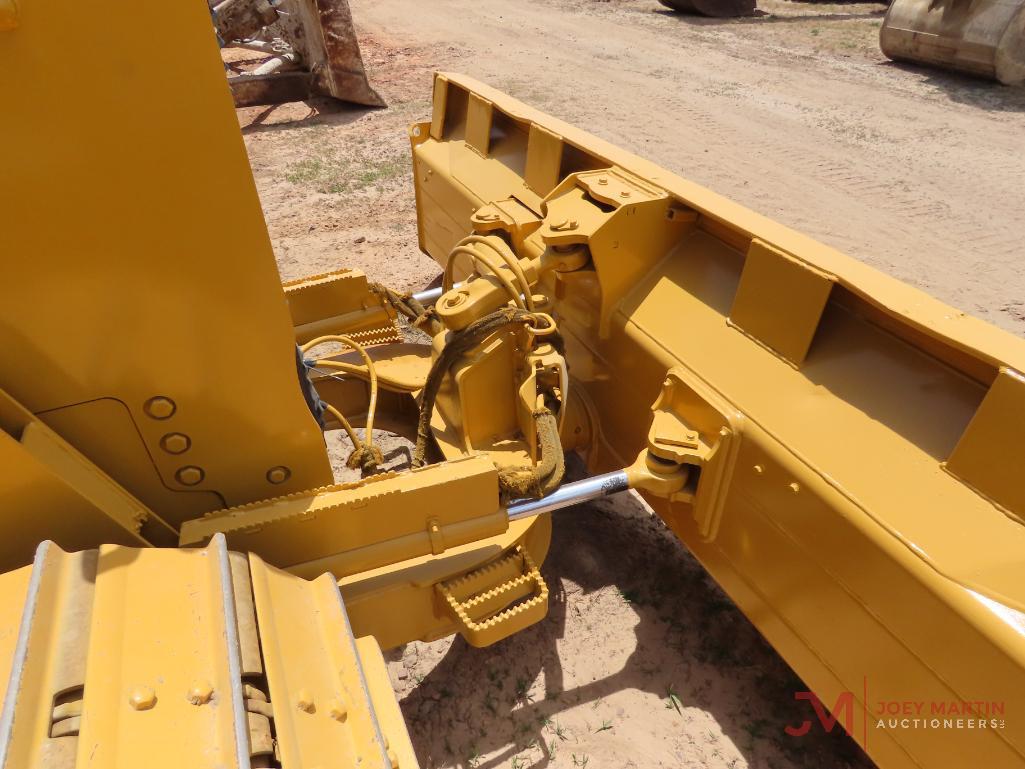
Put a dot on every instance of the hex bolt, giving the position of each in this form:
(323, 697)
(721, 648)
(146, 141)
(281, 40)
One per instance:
(279, 474)
(159, 407)
(304, 701)
(200, 692)
(603, 180)
(142, 698)
(175, 443)
(624, 194)
(455, 300)
(189, 475)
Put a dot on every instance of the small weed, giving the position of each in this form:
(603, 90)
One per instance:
(552, 747)
(523, 690)
(328, 172)
(560, 733)
(518, 763)
(582, 761)
(672, 701)
(605, 726)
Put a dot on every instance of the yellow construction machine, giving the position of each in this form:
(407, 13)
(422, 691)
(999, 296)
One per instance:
(184, 583)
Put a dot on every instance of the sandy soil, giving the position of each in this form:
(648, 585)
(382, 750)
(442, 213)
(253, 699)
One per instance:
(643, 661)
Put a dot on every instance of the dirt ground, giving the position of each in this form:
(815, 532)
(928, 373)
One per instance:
(643, 661)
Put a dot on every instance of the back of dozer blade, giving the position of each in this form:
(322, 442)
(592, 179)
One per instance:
(322, 57)
(978, 37)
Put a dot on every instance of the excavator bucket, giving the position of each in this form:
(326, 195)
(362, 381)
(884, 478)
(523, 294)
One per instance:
(715, 8)
(979, 37)
(311, 45)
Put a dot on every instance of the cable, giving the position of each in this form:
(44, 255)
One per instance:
(366, 455)
(362, 373)
(459, 344)
(501, 248)
(522, 297)
(345, 424)
(478, 259)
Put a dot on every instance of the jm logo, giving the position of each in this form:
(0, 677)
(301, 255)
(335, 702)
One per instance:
(827, 718)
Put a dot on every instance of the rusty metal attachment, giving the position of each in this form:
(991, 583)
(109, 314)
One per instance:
(978, 37)
(310, 45)
(715, 8)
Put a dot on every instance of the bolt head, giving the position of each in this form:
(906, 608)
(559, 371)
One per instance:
(455, 299)
(278, 474)
(159, 407)
(142, 698)
(200, 692)
(795, 488)
(189, 475)
(759, 469)
(175, 443)
(624, 194)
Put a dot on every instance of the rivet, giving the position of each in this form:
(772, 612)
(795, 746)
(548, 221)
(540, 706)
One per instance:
(175, 443)
(142, 698)
(189, 475)
(160, 407)
(200, 692)
(795, 487)
(337, 710)
(279, 474)
(759, 469)
(603, 180)
(304, 701)
(624, 194)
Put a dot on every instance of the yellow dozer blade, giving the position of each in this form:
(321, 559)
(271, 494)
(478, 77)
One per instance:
(979, 37)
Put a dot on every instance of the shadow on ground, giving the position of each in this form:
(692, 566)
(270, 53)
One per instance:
(965, 89)
(692, 651)
(762, 17)
(297, 114)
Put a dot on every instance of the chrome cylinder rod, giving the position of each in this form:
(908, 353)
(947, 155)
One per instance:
(571, 494)
(428, 296)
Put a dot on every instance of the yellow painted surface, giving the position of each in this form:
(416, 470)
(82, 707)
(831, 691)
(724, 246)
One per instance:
(867, 564)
